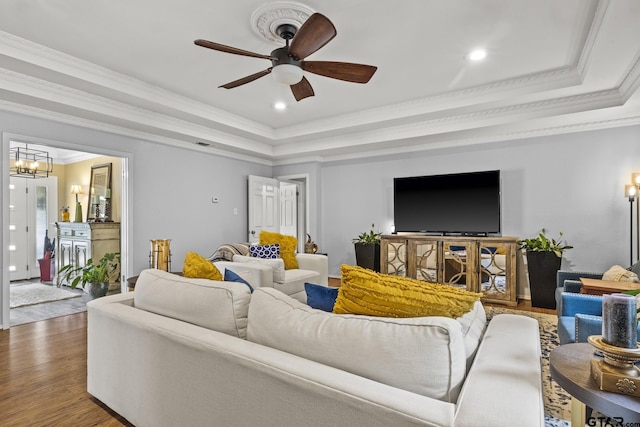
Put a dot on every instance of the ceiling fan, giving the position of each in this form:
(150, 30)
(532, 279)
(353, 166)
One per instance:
(288, 62)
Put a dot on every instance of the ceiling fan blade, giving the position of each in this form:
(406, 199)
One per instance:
(302, 89)
(229, 49)
(316, 31)
(247, 79)
(356, 73)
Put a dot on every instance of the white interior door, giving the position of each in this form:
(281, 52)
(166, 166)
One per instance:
(18, 235)
(33, 210)
(289, 209)
(263, 206)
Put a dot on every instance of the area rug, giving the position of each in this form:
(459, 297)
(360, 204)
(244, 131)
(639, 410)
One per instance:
(36, 293)
(557, 402)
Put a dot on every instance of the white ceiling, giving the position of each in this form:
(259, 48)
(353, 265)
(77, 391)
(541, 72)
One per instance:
(132, 68)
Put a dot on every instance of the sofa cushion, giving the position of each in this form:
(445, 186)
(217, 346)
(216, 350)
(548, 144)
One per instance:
(364, 291)
(277, 265)
(197, 266)
(220, 306)
(320, 297)
(287, 244)
(424, 355)
(230, 276)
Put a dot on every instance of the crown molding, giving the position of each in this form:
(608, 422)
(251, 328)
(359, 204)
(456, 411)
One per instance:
(124, 131)
(42, 56)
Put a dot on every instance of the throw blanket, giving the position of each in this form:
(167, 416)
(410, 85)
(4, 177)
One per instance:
(226, 252)
(620, 274)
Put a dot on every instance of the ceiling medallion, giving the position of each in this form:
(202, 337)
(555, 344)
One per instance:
(266, 19)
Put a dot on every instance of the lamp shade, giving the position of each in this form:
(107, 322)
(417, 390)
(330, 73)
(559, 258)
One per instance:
(76, 189)
(630, 191)
(287, 74)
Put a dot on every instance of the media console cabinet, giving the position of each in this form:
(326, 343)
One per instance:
(478, 264)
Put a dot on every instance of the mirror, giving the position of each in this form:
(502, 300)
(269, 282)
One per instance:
(99, 193)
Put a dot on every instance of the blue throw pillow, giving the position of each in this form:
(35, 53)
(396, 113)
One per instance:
(321, 297)
(265, 251)
(230, 276)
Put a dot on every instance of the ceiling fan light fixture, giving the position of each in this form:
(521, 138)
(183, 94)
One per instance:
(287, 74)
(477, 55)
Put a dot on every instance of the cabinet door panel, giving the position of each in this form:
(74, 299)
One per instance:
(457, 268)
(393, 257)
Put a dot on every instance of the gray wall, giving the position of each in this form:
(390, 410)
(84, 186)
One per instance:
(171, 189)
(572, 183)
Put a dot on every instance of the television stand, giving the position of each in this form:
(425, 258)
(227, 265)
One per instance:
(475, 263)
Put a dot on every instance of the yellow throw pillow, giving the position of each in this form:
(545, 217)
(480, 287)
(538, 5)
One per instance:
(287, 244)
(196, 266)
(366, 292)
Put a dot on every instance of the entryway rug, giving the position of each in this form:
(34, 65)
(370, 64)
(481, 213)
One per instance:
(37, 293)
(557, 402)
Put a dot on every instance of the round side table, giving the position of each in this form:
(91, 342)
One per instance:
(570, 367)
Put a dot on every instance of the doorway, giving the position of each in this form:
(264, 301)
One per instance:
(278, 205)
(33, 220)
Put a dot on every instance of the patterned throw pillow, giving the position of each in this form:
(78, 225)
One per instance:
(265, 251)
(196, 266)
(369, 293)
(288, 245)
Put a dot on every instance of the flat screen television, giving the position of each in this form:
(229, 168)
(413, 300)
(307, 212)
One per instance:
(460, 203)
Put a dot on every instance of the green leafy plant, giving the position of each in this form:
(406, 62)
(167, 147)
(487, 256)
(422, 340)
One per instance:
(541, 243)
(370, 237)
(101, 272)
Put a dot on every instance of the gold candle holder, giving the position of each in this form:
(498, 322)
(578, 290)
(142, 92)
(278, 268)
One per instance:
(160, 255)
(616, 371)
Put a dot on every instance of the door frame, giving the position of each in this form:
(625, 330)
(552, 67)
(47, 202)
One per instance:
(125, 237)
(303, 181)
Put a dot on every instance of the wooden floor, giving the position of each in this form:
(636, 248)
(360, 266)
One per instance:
(43, 375)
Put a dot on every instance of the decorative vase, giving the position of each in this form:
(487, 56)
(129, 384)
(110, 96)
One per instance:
(65, 215)
(97, 290)
(368, 256)
(543, 267)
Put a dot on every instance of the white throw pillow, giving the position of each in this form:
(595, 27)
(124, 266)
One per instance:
(276, 264)
(220, 306)
(425, 355)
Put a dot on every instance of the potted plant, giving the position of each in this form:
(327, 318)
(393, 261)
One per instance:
(96, 276)
(544, 257)
(367, 246)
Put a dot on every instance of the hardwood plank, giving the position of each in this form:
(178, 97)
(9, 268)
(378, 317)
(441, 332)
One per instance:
(43, 373)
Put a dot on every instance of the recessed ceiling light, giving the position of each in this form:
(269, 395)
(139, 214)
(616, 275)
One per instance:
(477, 55)
(280, 106)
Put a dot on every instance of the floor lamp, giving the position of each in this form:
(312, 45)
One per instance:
(635, 180)
(630, 191)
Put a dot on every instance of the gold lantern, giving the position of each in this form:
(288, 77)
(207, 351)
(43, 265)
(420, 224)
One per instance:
(160, 255)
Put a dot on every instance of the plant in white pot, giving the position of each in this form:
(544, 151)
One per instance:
(367, 246)
(544, 258)
(95, 276)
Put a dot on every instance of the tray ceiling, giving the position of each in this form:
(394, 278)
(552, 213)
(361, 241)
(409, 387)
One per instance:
(132, 68)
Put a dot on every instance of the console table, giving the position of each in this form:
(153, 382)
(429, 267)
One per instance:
(79, 241)
(478, 264)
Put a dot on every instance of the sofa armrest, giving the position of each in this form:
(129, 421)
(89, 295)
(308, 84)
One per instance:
(261, 275)
(506, 370)
(587, 324)
(563, 275)
(317, 263)
(573, 304)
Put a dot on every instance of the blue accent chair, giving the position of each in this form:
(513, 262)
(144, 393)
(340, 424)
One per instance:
(579, 315)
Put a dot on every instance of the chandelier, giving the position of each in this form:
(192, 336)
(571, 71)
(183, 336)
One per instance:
(30, 163)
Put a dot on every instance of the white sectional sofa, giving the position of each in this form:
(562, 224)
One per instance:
(174, 352)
